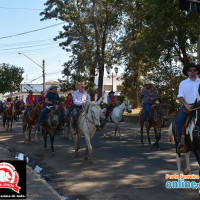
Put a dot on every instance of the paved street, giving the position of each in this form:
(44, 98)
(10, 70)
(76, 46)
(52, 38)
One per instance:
(122, 169)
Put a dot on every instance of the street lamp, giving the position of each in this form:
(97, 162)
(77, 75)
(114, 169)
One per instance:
(108, 69)
(43, 68)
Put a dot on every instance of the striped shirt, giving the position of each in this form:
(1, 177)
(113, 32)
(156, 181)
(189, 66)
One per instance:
(80, 98)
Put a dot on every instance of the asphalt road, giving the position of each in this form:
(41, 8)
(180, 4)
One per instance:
(123, 169)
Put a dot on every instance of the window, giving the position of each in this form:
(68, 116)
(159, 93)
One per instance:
(119, 88)
(108, 87)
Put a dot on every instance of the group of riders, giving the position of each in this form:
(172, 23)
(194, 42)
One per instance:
(188, 91)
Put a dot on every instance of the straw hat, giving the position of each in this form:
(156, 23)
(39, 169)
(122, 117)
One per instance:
(148, 82)
(80, 84)
(52, 87)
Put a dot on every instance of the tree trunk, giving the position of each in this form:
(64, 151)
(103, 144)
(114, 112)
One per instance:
(135, 91)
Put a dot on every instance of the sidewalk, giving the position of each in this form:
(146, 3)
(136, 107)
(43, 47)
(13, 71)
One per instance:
(37, 188)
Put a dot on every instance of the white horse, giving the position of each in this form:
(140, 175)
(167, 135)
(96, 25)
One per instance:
(116, 116)
(88, 121)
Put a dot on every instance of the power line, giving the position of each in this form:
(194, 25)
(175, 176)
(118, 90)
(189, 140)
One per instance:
(32, 31)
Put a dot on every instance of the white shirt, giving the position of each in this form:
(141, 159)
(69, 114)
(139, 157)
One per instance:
(79, 97)
(188, 89)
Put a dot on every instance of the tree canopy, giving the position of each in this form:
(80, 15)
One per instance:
(10, 78)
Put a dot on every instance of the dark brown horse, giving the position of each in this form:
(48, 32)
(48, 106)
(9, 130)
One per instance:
(31, 119)
(18, 109)
(156, 116)
(50, 124)
(9, 115)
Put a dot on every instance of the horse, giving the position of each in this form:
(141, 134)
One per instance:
(158, 112)
(50, 124)
(116, 116)
(192, 137)
(9, 115)
(18, 109)
(88, 122)
(31, 119)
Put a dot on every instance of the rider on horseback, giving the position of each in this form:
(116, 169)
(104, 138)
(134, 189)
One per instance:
(80, 97)
(16, 101)
(188, 92)
(149, 97)
(41, 98)
(112, 103)
(69, 107)
(51, 98)
(8, 104)
(30, 102)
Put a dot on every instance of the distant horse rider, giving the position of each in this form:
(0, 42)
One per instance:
(80, 97)
(112, 103)
(51, 98)
(69, 107)
(30, 102)
(41, 99)
(8, 104)
(149, 96)
(187, 94)
(17, 105)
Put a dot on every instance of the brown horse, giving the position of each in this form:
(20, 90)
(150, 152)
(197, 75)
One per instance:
(156, 116)
(31, 119)
(9, 115)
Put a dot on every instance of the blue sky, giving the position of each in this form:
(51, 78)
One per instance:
(37, 45)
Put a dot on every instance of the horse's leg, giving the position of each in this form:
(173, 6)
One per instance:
(187, 158)
(148, 135)
(141, 131)
(89, 146)
(11, 124)
(36, 131)
(178, 162)
(118, 129)
(44, 132)
(7, 125)
(157, 137)
(86, 153)
(51, 139)
(29, 132)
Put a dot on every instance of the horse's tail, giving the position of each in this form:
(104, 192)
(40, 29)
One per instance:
(170, 134)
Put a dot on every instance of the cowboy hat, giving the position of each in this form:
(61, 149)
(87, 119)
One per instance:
(111, 92)
(186, 67)
(80, 84)
(52, 87)
(148, 82)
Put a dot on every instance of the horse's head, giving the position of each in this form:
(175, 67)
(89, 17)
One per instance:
(94, 111)
(127, 107)
(53, 116)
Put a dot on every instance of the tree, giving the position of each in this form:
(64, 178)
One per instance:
(90, 24)
(10, 78)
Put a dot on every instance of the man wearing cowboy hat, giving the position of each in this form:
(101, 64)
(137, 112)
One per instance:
(149, 96)
(30, 102)
(51, 98)
(187, 94)
(79, 99)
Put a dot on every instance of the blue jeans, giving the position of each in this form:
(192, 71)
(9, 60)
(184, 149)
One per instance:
(68, 109)
(42, 115)
(108, 110)
(147, 107)
(26, 111)
(4, 113)
(181, 118)
(75, 112)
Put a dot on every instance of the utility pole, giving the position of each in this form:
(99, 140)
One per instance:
(43, 72)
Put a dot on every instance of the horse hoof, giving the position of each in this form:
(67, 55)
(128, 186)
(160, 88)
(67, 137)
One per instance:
(186, 171)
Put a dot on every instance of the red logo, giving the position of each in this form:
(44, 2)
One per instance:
(9, 177)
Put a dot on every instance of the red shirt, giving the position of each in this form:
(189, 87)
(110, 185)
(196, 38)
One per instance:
(41, 100)
(113, 99)
(69, 102)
